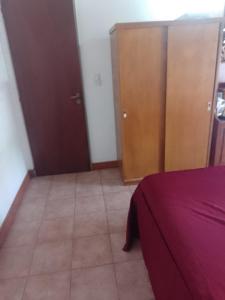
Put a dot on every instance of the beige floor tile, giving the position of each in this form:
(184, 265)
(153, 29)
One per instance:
(117, 242)
(42, 181)
(59, 207)
(88, 176)
(37, 200)
(132, 281)
(12, 289)
(22, 234)
(94, 284)
(64, 242)
(91, 251)
(132, 188)
(90, 224)
(88, 184)
(15, 262)
(62, 191)
(113, 185)
(63, 186)
(56, 230)
(29, 212)
(117, 220)
(89, 204)
(118, 200)
(39, 187)
(88, 189)
(52, 257)
(113, 173)
(64, 178)
(48, 287)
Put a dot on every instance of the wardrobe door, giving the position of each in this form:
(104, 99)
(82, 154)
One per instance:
(142, 94)
(191, 67)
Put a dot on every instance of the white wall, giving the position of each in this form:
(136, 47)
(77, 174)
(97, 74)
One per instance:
(15, 157)
(94, 19)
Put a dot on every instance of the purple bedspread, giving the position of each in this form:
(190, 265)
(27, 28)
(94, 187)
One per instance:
(188, 209)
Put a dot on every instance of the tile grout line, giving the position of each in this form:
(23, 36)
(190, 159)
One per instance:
(74, 269)
(107, 220)
(36, 241)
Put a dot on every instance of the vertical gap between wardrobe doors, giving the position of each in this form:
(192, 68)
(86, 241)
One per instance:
(164, 85)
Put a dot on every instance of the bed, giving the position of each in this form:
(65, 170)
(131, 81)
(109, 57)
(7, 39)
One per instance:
(179, 218)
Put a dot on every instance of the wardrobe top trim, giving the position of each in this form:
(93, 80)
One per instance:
(120, 26)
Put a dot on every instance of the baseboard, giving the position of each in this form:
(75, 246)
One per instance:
(105, 165)
(7, 223)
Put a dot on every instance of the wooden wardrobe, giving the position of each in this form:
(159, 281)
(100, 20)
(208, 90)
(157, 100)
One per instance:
(164, 76)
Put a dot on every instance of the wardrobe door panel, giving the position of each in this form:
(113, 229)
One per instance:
(142, 55)
(191, 67)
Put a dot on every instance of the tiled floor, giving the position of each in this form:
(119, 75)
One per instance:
(66, 242)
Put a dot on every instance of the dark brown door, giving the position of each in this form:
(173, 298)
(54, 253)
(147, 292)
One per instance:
(45, 55)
